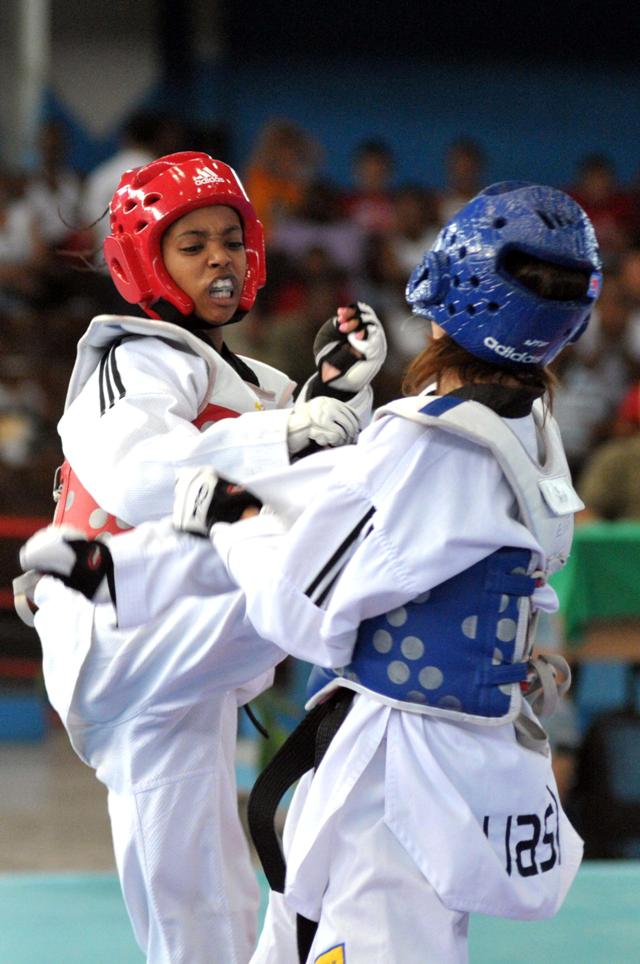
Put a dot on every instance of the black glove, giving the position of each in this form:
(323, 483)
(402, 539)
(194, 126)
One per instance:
(82, 564)
(203, 498)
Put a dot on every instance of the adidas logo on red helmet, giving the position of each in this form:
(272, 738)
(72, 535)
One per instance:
(207, 176)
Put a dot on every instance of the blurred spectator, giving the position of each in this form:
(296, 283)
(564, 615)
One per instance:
(609, 484)
(392, 257)
(627, 420)
(610, 208)
(22, 402)
(464, 173)
(413, 230)
(53, 191)
(22, 251)
(629, 274)
(595, 375)
(36, 282)
(565, 739)
(319, 223)
(145, 135)
(30, 405)
(370, 204)
(284, 323)
(284, 161)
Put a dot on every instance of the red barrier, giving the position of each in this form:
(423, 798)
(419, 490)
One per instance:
(21, 527)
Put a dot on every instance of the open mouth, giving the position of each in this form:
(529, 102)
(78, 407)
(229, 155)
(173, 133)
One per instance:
(222, 289)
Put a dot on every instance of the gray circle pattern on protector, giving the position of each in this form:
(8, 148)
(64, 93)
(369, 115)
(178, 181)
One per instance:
(397, 617)
(422, 598)
(506, 630)
(98, 518)
(398, 672)
(450, 703)
(470, 627)
(415, 696)
(430, 678)
(412, 648)
(382, 641)
(71, 496)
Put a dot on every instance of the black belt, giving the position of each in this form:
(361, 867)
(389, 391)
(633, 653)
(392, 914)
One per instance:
(302, 751)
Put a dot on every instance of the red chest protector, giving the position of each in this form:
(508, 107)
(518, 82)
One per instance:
(76, 507)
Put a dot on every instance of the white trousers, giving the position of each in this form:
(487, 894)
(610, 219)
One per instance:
(378, 907)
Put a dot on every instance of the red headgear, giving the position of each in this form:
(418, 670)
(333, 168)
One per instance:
(147, 200)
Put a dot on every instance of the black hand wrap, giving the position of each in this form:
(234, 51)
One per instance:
(229, 502)
(342, 356)
(93, 563)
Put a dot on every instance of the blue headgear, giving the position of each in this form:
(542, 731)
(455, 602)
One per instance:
(462, 283)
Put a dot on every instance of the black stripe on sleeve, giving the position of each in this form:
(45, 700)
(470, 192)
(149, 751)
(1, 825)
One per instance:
(101, 382)
(107, 379)
(113, 364)
(339, 553)
(324, 593)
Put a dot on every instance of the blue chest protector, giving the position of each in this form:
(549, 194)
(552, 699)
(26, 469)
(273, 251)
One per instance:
(462, 648)
(451, 649)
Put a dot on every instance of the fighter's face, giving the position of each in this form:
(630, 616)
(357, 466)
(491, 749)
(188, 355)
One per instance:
(204, 253)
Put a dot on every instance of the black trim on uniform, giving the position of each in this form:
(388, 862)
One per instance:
(340, 551)
(115, 372)
(103, 362)
(202, 330)
(329, 586)
(246, 373)
(109, 377)
(504, 400)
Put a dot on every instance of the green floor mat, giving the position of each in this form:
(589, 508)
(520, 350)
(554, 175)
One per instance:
(80, 919)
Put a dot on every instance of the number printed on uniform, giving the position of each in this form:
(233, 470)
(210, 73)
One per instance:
(531, 841)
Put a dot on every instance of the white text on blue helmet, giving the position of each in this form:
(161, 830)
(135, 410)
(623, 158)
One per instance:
(508, 351)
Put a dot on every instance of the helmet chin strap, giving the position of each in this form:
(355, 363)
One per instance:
(192, 322)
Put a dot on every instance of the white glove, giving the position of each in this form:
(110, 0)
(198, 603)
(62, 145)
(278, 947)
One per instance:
(202, 497)
(80, 563)
(326, 421)
(334, 347)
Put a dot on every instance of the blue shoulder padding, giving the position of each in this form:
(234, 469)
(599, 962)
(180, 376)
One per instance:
(441, 405)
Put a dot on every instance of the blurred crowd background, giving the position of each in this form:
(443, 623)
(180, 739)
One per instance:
(328, 244)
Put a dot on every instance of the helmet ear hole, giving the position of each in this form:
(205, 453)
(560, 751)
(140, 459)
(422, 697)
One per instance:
(429, 281)
(116, 268)
(126, 271)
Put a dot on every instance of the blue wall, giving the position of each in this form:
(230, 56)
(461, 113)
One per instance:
(534, 122)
